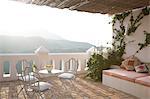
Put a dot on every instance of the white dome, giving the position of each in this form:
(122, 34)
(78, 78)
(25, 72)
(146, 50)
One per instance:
(92, 49)
(41, 49)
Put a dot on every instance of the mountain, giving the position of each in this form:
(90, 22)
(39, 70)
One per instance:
(19, 44)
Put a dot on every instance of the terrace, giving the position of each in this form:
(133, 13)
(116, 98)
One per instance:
(86, 88)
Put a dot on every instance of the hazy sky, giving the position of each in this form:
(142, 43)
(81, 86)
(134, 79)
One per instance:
(21, 19)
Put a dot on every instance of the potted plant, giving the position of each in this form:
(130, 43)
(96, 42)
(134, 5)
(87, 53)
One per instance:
(49, 68)
(96, 64)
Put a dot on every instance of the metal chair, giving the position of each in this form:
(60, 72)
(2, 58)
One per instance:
(35, 87)
(25, 75)
(67, 78)
(31, 84)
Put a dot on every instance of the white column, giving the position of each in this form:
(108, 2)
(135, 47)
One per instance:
(1, 71)
(71, 65)
(53, 63)
(82, 64)
(13, 71)
(57, 64)
(79, 66)
(63, 66)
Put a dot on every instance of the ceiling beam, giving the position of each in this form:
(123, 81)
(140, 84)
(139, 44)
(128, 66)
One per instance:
(79, 5)
(94, 6)
(68, 3)
(63, 3)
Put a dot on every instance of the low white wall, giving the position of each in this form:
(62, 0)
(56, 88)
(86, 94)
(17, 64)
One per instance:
(138, 90)
(40, 59)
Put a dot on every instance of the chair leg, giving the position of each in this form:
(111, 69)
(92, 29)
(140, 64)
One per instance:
(63, 84)
(68, 85)
(72, 82)
(41, 95)
(19, 91)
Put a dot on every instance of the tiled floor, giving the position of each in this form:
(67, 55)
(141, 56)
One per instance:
(85, 89)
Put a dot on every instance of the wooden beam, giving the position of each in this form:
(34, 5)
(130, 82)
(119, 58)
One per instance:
(35, 1)
(79, 5)
(64, 3)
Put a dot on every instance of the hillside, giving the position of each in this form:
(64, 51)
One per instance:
(12, 44)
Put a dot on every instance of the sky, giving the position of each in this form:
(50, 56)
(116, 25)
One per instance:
(19, 19)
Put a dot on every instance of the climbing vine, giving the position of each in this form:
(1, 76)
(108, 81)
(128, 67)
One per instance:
(118, 39)
(135, 23)
(146, 42)
(121, 32)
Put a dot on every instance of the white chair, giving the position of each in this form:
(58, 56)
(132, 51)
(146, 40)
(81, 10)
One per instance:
(31, 84)
(26, 74)
(67, 78)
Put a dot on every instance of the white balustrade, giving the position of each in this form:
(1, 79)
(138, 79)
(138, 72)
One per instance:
(1, 70)
(40, 60)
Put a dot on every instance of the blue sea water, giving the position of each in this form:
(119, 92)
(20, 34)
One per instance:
(7, 66)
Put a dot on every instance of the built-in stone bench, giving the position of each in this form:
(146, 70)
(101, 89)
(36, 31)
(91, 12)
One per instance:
(143, 81)
(137, 84)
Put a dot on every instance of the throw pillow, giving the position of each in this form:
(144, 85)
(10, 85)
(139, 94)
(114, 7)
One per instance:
(130, 62)
(141, 68)
(136, 60)
(129, 67)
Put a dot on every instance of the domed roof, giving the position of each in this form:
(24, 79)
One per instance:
(41, 49)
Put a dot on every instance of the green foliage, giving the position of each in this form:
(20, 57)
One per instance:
(135, 23)
(146, 11)
(120, 17)
(115, 56)
(95, 65)
(146, 42)
(120, 33)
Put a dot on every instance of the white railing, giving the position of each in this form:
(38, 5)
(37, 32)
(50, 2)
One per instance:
(40, 60)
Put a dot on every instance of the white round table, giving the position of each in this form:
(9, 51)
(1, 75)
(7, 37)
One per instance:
(54, 72)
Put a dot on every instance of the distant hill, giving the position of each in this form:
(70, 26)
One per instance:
(15, 44)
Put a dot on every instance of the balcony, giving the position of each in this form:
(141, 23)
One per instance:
(10, 63)
(86, 89)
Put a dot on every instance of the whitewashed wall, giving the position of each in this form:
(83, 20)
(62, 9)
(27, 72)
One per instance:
(139, 37)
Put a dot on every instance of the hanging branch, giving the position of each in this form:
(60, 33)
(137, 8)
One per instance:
(135, 23)
(146, 42)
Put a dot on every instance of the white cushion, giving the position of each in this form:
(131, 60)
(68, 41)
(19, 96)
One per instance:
(66, 76)
(41, 86)
(28, 78)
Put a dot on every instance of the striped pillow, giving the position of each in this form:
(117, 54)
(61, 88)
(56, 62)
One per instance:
(141, 68)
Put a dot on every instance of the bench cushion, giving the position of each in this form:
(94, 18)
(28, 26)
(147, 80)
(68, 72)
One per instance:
(124, 74)
(144, 81)
(41, 86)
(67, 76)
